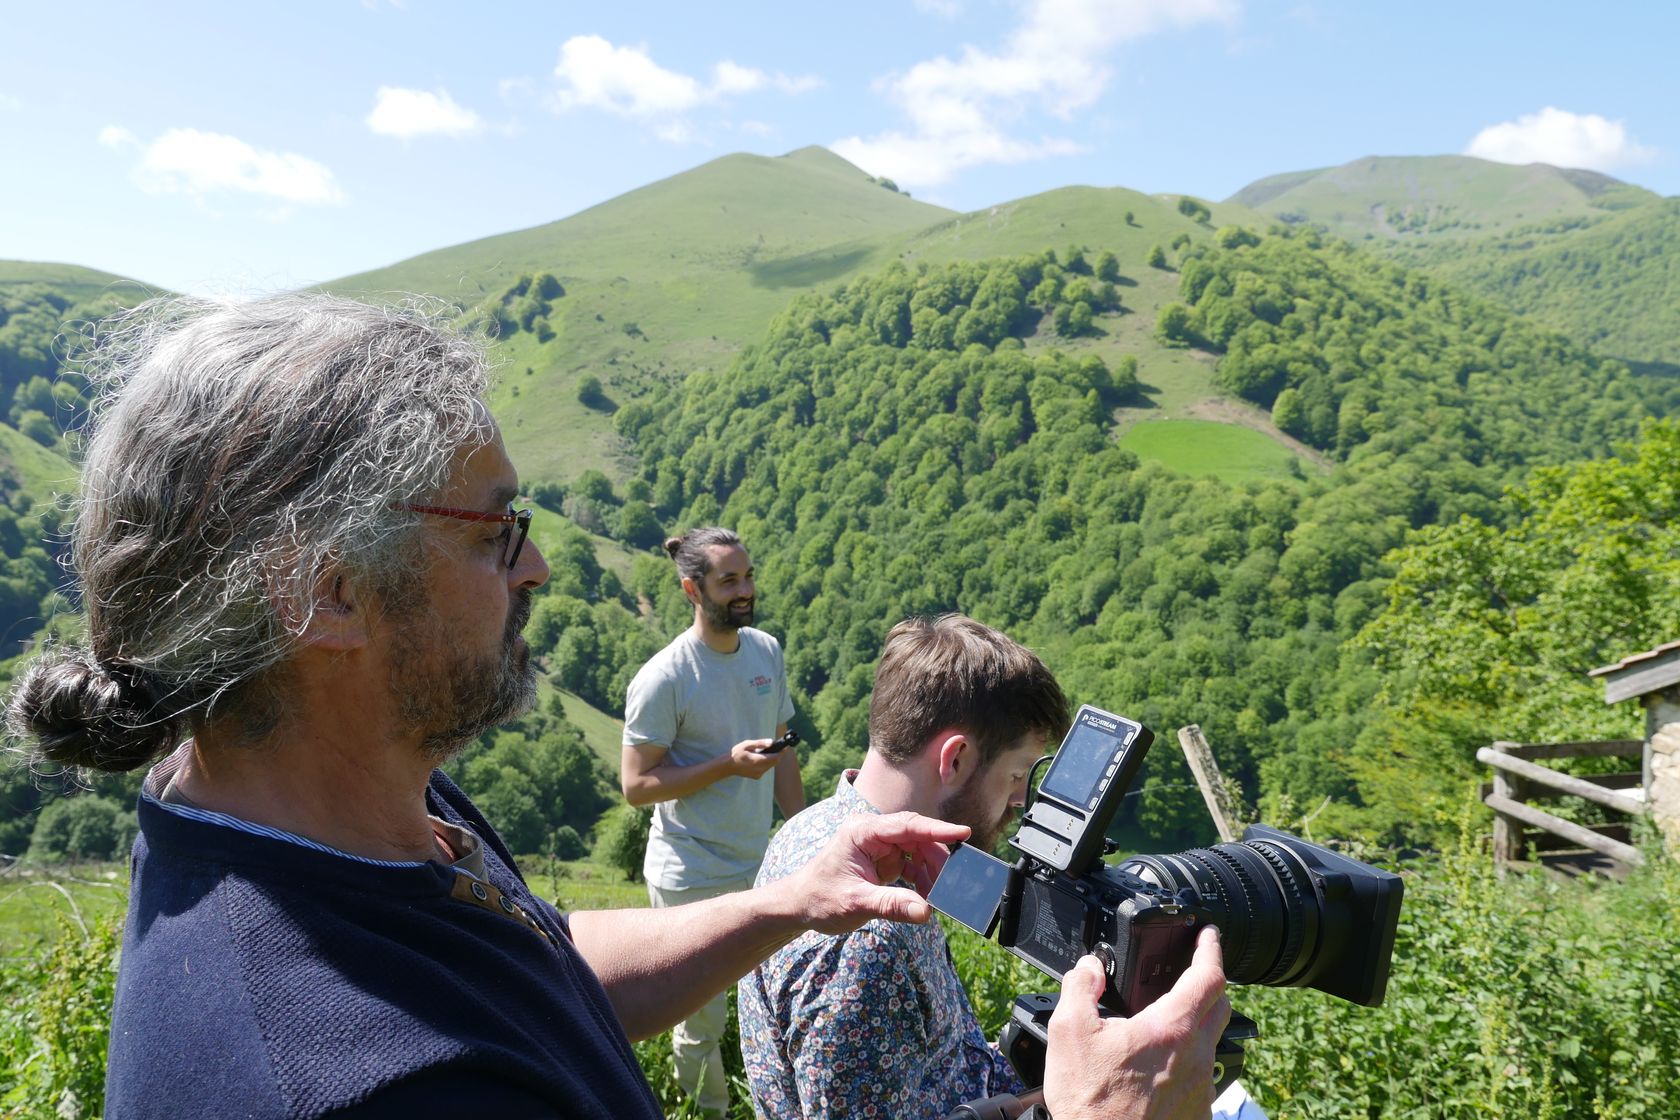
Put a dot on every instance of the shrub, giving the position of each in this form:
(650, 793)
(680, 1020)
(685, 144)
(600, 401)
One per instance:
(53, 1038)
(621, 839)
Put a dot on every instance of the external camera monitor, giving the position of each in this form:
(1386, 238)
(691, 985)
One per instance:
(1093, 768)
(970, 888)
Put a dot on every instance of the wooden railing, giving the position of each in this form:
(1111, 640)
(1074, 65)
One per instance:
(1518, 779)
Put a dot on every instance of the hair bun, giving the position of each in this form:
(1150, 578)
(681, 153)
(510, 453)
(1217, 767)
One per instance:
(673, 545)
(83, 713)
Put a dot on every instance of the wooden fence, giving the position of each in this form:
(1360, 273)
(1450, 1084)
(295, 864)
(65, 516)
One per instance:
(1518, 780)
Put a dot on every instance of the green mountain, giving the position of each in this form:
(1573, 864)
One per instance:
(1611, 283)
(678, 276)
(70, 280)
(671, 277)
(1395, 198)
(1577, 251)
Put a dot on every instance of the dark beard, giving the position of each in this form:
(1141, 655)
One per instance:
(720, 617)
(473, 695)
(964, 807)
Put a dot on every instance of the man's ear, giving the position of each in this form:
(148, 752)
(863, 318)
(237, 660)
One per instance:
(957, 758)
(339, 620)
(692, 590)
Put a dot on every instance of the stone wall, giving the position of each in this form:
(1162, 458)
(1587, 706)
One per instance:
(1662, 762)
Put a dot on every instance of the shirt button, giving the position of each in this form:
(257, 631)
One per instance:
(507, 904)
(479, 892)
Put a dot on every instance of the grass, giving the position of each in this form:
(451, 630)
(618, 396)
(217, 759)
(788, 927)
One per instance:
(601, 732)
(40, 471)
(1208, 448)
(74, 280)
(33, 899)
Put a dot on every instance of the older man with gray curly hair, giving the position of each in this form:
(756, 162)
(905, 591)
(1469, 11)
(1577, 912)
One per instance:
(304, 580)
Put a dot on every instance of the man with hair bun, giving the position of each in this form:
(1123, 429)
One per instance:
(304, 580)
(699, 718)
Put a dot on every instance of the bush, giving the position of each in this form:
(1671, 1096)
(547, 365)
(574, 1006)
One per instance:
(568, 844)
(621, 839)
(55, 1025)
(590, 393)
(81, 827)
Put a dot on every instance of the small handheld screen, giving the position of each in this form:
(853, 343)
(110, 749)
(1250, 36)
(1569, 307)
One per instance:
(1080, 763)
(970, 888)
(1091, 772)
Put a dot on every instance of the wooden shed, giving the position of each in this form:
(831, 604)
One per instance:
(1653, 677)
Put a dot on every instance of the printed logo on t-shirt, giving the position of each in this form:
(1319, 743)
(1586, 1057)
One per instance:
(762, 684)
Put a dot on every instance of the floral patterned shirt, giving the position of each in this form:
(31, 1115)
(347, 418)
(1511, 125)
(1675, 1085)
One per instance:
(870, 1024)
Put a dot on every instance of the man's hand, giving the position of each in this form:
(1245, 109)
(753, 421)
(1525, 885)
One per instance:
(749, 760)
(848, 883)
(1156, 1065)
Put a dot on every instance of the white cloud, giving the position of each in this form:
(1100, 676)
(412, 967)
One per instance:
(962, 111)
(187, 161)
(597, 75)
(407, 113)
(1562, 139)
(624, 80)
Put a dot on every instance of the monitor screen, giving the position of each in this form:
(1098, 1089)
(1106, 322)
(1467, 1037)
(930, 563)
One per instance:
(1080, 764)
(970, 888)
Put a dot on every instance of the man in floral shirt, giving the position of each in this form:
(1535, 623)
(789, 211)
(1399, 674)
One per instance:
(875, 1023)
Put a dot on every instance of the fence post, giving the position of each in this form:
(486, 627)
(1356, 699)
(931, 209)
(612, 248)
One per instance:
(1221, 805)
(1507, 830)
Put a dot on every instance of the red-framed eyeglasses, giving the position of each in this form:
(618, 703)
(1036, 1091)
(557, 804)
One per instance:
(518, 522)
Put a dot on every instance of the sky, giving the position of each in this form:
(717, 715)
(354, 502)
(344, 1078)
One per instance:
(223, 148)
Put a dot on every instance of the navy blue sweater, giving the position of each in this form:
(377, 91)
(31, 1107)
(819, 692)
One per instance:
(262, 979)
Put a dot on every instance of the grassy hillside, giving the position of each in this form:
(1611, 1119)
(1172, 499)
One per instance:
(1390, 198)
(37, 471)
(1612, 284)
(680, 275)
(1577, 251)
(666, 279)
(72, 280)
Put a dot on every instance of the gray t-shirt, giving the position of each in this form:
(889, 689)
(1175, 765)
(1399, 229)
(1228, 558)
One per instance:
(699, 703)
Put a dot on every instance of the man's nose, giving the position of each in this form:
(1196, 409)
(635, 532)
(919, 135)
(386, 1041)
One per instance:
(531, 570)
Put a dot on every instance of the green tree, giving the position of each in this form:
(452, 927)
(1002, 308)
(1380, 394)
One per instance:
(1194, 210)
(621, 839)
(1289, 413)
(1157, 257)
(1173, 324)
(590, 393)
(81, 827)
(638, 526)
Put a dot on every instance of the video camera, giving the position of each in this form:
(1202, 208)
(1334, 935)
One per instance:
(1289, 912)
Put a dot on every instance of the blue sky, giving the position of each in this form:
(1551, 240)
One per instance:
(218, 147)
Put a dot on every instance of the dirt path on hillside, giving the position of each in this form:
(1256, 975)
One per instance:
(1227, 411)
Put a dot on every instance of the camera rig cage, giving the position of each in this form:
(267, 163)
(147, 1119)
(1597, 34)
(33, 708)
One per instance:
(1290, 912)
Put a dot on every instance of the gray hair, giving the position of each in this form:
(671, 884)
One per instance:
(239, 452)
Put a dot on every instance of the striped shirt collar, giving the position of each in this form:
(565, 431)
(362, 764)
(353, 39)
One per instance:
(159, 789)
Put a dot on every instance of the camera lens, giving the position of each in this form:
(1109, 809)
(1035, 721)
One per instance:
(1264, 901)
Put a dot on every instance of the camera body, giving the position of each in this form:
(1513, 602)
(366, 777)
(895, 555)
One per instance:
(1144, 935)
(1289, 912)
